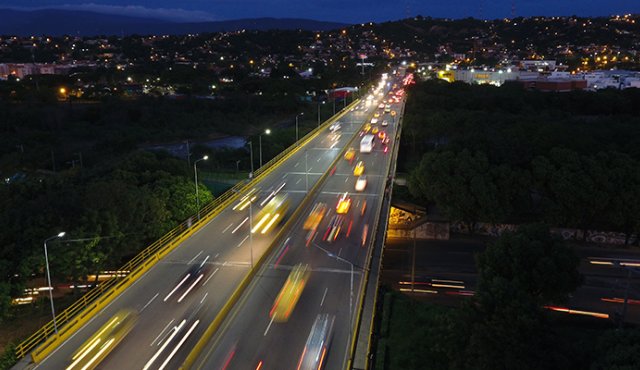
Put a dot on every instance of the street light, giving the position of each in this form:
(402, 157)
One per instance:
(351, 284)
(319, 111)
(195, 174)
(46, 260)
(267, 132)
(297, 115)
(251, 158)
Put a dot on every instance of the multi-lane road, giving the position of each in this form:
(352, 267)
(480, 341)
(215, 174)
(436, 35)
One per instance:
(446, 271)
(178, 298)
(251, 338)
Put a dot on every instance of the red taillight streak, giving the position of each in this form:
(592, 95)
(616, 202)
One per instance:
(226, 363)
(326, 234)
(282, 255)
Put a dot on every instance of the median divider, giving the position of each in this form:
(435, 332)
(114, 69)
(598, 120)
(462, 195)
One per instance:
(239, 291)
(45, 340)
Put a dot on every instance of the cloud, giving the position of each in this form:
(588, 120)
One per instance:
(176, 15)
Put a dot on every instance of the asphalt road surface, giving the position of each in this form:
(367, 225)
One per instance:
(174, 313)
(445, 272)
(250, 338)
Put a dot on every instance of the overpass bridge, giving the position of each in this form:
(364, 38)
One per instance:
(204, 292)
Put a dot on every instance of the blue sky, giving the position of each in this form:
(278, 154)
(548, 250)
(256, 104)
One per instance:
(347, 11)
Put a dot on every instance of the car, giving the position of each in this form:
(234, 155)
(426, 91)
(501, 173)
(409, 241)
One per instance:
(382, 135)
(344, 203)
(272, 214)
(333, 230)
(318, 343)
(248, 198)
(385, 123)
(316, 215)
(350, 154)
(393, 113)
(359, 168)
(381, 105)
(189, 281)
(374, 120)
(105, 339)
(335, 127)
(376, 115)
(374, 130)
(290, 293)
(361, 183)
(366, 128)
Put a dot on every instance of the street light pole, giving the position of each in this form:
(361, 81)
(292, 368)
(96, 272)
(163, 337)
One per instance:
(250, 233)
(50, 287)
(267, 131)
(351, 283)
(251, 157)
(300, 114)
(195, 174)
(260, 146)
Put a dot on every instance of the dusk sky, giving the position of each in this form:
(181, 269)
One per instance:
(348, 11)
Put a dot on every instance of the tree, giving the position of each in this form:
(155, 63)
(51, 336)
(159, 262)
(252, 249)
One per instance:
(618, 350)
(502, 326)
(465, 187)
(531, 261)
(623, 210)
(575, 188)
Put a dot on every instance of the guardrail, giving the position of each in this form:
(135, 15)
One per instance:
(354, 336)
(81, 311)
(237, 294)
(375, 297)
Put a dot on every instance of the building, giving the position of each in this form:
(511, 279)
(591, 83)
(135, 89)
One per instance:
(554, 84)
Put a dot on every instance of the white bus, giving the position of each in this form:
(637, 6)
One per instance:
(366, 144)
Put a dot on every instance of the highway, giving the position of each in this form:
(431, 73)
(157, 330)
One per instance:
(250, 338)
(451, 266)
(179, 296)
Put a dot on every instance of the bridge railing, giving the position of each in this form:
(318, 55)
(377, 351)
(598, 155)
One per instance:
(46, 339)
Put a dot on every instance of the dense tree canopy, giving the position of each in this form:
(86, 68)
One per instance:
(115, 210)
(508, 155)
(503, 326)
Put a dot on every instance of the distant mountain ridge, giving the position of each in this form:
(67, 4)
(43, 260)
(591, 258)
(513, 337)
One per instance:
(55, 22)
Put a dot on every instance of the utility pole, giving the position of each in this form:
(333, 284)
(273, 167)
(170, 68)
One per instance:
(626, 300)
(413, 255)
(251, 158)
